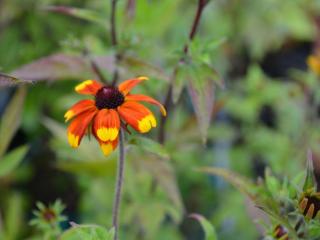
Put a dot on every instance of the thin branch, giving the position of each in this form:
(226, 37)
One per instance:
(114, 41)
(95, 68)
(168, 99)
(195, 24)
(119, 183)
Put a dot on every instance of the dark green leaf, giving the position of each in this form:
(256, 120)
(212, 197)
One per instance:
(207, 227)
(10, 121)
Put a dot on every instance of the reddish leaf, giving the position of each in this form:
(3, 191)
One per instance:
(6, 80)
(58, 67)
(84, 14)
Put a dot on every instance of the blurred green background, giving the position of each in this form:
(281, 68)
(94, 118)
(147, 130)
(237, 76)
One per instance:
(264, 103)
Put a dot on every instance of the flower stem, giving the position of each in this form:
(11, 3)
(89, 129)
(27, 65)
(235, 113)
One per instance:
(94, 66)
(192, 33)
(118, 187)
(113, 29)
(114, 41)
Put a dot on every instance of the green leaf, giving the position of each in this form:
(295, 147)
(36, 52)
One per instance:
(309, 182)
(182, 75)
(243, 184)
(11, 119)
(165, 176)
(88, 232)
(11, 160)
(84, 14)
(207, 227)
(150, 145)
(13, 217)
(93, 168)
(201, 91)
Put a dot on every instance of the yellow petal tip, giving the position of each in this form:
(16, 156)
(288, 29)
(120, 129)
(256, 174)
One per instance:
(147, 123)
(68, 115)
(73, 140)
(106, 148)
(142, 78)
(107, 134)
(82, 85)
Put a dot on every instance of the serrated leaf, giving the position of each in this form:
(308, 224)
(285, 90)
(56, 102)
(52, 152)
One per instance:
(164, 174)
(88, 232)
(11, 119)
(209, 230)
(84, 14)
(150, 145)
(243, 184)
(11, 160)
(182, 75)
(202, 98)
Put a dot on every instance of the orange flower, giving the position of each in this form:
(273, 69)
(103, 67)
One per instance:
(110, 108)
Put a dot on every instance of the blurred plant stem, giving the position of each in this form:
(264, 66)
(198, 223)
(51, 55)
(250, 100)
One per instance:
(168, 99)
(118, 187)
(94, 66)
(114, 41)
(131, 6)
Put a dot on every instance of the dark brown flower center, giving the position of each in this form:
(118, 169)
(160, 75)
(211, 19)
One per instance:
(49, 215)
(109, 97)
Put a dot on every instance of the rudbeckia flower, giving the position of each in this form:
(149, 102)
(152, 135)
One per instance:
(108, 110)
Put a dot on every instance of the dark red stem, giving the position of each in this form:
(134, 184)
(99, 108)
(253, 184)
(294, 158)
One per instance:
(168, 100)
(114, 41)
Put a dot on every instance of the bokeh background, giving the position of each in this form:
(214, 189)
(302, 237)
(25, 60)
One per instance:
(249, 66)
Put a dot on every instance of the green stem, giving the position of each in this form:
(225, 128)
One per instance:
(118, 187)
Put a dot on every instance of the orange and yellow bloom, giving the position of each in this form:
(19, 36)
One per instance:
(111, 108)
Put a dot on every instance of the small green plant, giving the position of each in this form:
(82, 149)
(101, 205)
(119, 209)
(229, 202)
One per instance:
(48, 218)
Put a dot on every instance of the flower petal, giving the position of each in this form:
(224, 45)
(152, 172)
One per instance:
(79, 107)
(88, 87)
(106, 125)
(137, 116)
(128, 85)
(109, 146)
(144, 98)
(78, 126)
